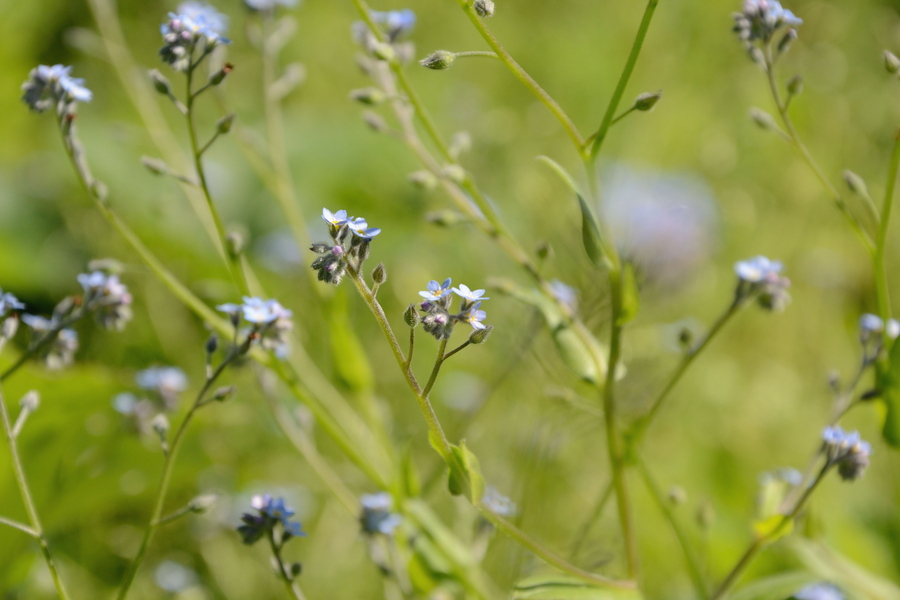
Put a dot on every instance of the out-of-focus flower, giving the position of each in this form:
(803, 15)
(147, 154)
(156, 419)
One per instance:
(261, 312)
(757, 269)
(181, 33)
(497, 503)
(108, 297)
(760, 275)
(269, 4)
(760, 19)
(61, 351)
(846, 450)
(272, 512)
(819, 591)
(565, 294)
(664, 223)
(9, 303)
(168, 382)
(872, 325)
(53, 86)
(174, 577)
(395, 23)
(376, 516)
(270, 320)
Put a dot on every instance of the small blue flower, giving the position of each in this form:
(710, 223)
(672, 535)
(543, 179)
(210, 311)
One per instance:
(194, 21)
(474, 317)
(360, 228)
(261, 312)
(109, 297)
(396, 23)
(566, 294)
(59, 353)
(272, 512)
(819, 591)
(8, 303)
(758, 269)
(204, 18)
(846, 450)
(262, 5)
(436, 290)
(49, 86)
(463, 291)
(166, 381)
(230, 308)
(376, 514)
(336, 219)
(497, 503)
(760, 19)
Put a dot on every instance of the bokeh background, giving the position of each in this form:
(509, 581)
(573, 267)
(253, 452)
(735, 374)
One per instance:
(692, 185)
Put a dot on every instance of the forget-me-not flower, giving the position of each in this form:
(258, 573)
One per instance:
(819, 591)
(760, 19)
(108, 297)
(474, 316)
(360, 227)
(757, 269)
(497, 503)
(395, 23)
(334, 218)
(53, 86)
(846, 450)
(377, 515)
(436, 291)
(464, 292)
(272, 512)
(168, 382)
(262, 5)
(194, 22)
(61, 351)
(9, 303)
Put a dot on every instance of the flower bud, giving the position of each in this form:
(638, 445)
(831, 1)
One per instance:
(544, 251)
(384, 51)
(203, 503)
(440, 60)
(411, 316)
(155, 165)
(379, 275)
(234, 243)
(30, 401)
(423, 180)
(223, 393)
(484, 8)
(223, 125)
(296, 568)
(795, 85)
(891, 62)
(856, 184)
(160, 83)
(212, 344)
(160, 425)
(647, 100)
(786, 41)
(220, 75)
(445, 218)
(455, 173)
(480, 336)
(763, 120)
(375, 122)
(370, 96)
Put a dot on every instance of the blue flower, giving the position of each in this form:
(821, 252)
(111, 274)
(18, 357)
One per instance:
(463, 291)
(757, 269)
(49, 86)
(376, 514)
(270, 320)
(168, 382)
(760, 19)
(474, 317)
(360, 228)
(272, 512)
(497, 503)
(565, 294)
(436, 290)
(395, 23)
(61, 351)
(109, 297)
(262, 5)
(205, 18)
(846, 450)
(336, 219)
(261, 312)
(8, 303)
(194, 21)
(820, 591)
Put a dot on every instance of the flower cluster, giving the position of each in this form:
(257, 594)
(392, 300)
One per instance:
(272, 513)
(760, 19)
(872, 326)
(438, 320)
(847, 451)
(761, 277)
(165, 385)
(351, 237)
(108, 298)
(61, 351)
(47, 87)
(376, 516)
(168, 382)
(269, 321)
(194, 22)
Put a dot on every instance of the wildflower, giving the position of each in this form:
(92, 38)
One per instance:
(757, 269)
(204, 16)
(760, 19)
(335, 219)
(262, 5)
(351, 238)
(109, 297)
(846, 450)
(262, 312)
(760, 275)
(183, 31)
(437, 321)
(60, 352)
(376, 516)
(437, 291)
(497, 503)
(395, 23)
(272, 513)
(360, 228)
(464, 292)
(9, 303)
(270, 320)
(331, 266)
(819, 591)
(565, 294)
(474, 316)
(53, 86)
(168, 382)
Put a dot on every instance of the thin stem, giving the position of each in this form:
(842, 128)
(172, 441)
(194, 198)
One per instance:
(412, 347)
(881, 283)
(482, 53)
(234, 262)
(48, 337)
(283, 570)
(168, 467)
(457, 349)
(523, 76)
(206, 146)
(804, 152)
(585, 529)
(607, 122)
(436, 369)
(20, 526)
(36, 530)
(623, 115)
(613, 443)
(690, 555)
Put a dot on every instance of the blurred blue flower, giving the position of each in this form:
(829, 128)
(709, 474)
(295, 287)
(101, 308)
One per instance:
(194, 21)
(819, 591)
(61, 351)
(846, 450)
(9, 303)
(757, 269)
(376, 514)
(269, 4)
(49, 86)
(168, 382)
(566, 294)
(205, 17)
(497, 503)
(108, 297)
(760, 19)
(395, 23)
(272, 512)
(435, 291)
(261, 312)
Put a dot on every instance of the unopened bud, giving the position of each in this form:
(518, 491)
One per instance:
(440, 60)
(203, 503)
(891, 62)
(411, 316)
(445, 218)
(379, 275)
(296, 568)
(677, 495)
(160, 83)
(763, 120)
(212, 344)
(375, 122)
(484, 8)
(234, 243)
(384, 51)
(9, 328)
(647, 100)
(424, 180)
(223, 393)
(155, 165)
(371, 96)
(856, 184)
(455, 173)
(480, 336)
(544, 251)
(460, 143)
(785, 43)
(160, 425)
(30, 401)
(220, 75)
(224, 124)
(795, 85)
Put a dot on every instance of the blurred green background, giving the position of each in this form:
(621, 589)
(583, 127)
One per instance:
(755, 402)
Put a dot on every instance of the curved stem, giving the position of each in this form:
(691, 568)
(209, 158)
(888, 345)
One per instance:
(608, 121)
(283, 571)
(805, 153)
(438, 362)
(881, 283)
(35, 530)
(523, 76)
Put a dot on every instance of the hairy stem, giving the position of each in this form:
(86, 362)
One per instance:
(283, 572)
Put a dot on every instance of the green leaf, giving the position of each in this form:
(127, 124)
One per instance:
(465, 473)
(590, 231)
(773, 528)
(412, 486)
(350, 360)
(889, 382)
(631, 299)
(563, 587)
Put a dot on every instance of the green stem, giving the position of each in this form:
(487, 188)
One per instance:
(482, 53)
(41, 343)
(168, 466)
(607, 122)
(585, 529)
(806, 155)
(36, 530)
(881, 282)
(438, 362)
(233, 261)
(459, 348)
(285, 575)
(523, 76)
(613, 443)
(690, 556)
(20, 526)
